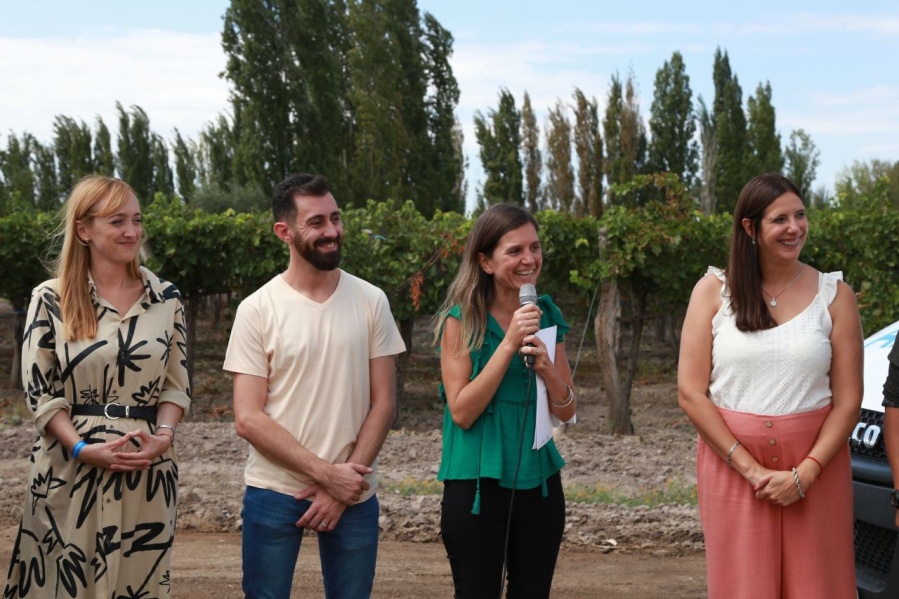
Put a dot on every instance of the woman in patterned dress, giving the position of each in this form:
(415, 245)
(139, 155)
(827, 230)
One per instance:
(770, 374)
(105, 373)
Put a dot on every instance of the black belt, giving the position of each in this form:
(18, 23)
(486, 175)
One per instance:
(114, 411)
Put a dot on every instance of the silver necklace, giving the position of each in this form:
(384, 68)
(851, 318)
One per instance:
(773, 301)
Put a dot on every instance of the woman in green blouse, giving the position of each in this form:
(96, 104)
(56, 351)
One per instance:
(490, 393)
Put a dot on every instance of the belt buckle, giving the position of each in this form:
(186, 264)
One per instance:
(110, 416)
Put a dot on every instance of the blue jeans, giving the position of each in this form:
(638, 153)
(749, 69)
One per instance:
(271, 546)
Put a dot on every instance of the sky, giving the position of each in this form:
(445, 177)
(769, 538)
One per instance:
(831, 64)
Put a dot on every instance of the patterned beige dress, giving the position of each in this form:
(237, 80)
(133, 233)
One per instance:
(87, 532)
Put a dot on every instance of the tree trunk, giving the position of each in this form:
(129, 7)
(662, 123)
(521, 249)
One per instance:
(633, 358)
(605, 327)
(402, 362)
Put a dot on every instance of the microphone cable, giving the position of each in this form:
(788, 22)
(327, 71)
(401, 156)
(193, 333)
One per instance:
(524, 425)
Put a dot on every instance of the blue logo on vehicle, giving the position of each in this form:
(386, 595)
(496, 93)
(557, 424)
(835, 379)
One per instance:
(884, 341)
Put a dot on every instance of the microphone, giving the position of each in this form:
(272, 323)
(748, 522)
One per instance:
(527, 295)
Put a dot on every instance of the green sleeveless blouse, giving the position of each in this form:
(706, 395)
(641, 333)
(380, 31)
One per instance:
(490, 447)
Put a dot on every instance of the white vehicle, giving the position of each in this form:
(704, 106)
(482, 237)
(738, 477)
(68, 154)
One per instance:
(876, 537)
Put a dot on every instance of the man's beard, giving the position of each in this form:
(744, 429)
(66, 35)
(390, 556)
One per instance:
(320, 260)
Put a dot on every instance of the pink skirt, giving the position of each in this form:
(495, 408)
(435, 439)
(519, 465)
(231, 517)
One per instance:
(756, 550)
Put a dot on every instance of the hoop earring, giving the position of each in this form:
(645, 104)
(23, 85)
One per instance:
(83, 242)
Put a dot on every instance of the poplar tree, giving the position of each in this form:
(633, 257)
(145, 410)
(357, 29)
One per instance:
(163, 178)
(499, 137)
(762, 135)
(588, 148)
(185, 167)
(559, 190)
(441, 101)
(461, 186)
(625, 136)
(215, 155)
(709, 162)
(802, 158)
(74, 154)
(731, 171)
(672, 122)
(134, 159)
(362, 91)
(15, 167)
(286, 61)
(47, 191)
(104, 159)
(388, 83)
(532, 158)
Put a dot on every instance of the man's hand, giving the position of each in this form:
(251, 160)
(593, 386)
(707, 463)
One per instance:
(324, 513)
(345, 482)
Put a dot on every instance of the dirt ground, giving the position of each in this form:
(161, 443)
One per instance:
(642, 539)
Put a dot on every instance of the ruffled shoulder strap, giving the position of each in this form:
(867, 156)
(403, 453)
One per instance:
(552, 316)
(827, 285)
(719, 273)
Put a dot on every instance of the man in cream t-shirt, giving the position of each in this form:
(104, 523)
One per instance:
(312, 354)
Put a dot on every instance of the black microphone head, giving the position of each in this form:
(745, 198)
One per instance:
(527, 294)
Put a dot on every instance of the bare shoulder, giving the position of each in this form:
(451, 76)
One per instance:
(845, 301)
(707, 293)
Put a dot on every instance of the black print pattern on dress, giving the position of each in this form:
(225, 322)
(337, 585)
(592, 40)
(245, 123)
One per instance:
(87, 532)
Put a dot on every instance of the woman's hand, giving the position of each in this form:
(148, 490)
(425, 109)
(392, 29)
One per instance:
(525, 323)
(109, 455)
(531, 345)
(778, 487)
(150, 447)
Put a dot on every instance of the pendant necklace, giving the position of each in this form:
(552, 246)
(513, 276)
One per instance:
(773, 301)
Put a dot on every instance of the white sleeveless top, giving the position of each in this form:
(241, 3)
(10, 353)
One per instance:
(779, 371)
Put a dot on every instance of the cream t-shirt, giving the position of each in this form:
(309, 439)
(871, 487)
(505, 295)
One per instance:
(316, 359)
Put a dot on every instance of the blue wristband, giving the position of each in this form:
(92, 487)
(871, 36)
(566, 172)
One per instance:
(77, 449)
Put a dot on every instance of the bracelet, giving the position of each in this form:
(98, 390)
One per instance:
(812, 458)
(798, 484)
(567, 401)
(77, 448)
(168, 426)
(730, 452)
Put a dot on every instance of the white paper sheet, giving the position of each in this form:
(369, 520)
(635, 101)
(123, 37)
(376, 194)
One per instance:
(543, 431)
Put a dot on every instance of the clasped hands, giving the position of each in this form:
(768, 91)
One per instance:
(342, 486)
(120, 454)
(777, 487)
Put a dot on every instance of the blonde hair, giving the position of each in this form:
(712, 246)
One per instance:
(73, 264)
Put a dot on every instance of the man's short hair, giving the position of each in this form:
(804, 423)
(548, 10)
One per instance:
(284, 209)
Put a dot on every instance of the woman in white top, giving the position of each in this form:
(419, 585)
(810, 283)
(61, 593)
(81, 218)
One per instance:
(770, 374)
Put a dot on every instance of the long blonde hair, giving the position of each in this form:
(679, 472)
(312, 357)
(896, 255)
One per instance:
(73, 264)
(472, 288)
